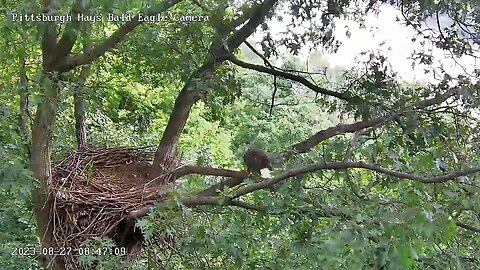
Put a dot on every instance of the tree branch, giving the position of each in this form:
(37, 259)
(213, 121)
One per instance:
(322, 135)
(191, 169)
(468, 227)
(255, 20)
(346, 165)
(296, 78)
(249, 206)
(231, 182)
(117, 36)
(215, 200)
(49, 38)
(265, 60)
(308, 144)
(69, 37)
(23, 116)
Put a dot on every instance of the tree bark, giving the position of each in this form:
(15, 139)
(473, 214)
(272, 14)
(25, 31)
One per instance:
(23, 117)
(166, 156)
(41, 166)
(80, 108)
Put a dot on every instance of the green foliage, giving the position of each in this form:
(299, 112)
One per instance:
(338, 219)
(102, 253)
(16, 218)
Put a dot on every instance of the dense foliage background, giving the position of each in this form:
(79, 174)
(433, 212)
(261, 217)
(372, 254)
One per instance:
(329, 219)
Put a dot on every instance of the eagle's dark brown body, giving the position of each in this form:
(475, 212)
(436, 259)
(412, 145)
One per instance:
(256, 160)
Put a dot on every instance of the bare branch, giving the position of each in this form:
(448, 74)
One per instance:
(265, 60)
(215, 200)
(275, 89)
(296, 78)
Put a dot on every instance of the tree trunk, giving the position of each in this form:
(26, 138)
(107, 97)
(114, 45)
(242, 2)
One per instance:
(23, 117)
(166, 156)
(80, 108)
(41, 166)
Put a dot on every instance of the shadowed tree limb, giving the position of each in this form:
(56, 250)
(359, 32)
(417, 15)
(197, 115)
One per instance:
(24, 115)
(49, 38)
(80, 106)
(213, 190)
(210, 197)
(258, 16)
(249, 206)
(215, 200)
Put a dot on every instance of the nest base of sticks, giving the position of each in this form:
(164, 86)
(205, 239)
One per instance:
(93, 194)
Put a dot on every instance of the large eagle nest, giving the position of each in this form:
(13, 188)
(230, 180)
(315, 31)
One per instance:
(93, 193)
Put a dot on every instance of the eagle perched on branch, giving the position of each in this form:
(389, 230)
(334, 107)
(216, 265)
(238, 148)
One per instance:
(257, 161)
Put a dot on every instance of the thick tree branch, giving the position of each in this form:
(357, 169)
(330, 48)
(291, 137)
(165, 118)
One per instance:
(69, 37)
(206, 198)
(249, 206)
(247, 12)
(346, 165)
(80, 108)
(23, 117)
(119, 35)
(320, 136)
(438, 99)
(468, 227)
(255, 20)
(49, 38)
(190, 169)
(294, 77)
(201, 200)
(308, 144)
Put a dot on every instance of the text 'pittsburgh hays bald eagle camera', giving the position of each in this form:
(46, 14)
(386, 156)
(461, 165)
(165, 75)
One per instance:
(257, 161)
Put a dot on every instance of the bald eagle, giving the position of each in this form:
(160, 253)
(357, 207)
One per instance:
(257, 161)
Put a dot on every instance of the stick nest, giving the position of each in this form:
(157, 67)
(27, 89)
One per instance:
(94, 190)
